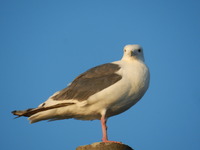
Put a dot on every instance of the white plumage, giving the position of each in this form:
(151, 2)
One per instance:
(99, 93)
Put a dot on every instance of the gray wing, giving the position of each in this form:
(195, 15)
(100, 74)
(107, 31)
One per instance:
(90, 82)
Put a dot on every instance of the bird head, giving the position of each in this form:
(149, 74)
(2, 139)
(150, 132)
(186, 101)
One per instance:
(132, 52)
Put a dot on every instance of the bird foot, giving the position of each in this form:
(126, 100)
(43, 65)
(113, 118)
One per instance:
(106, 141)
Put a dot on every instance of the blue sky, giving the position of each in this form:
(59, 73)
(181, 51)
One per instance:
(45, 44)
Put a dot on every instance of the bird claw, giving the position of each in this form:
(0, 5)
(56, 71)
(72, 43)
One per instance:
(107, 141)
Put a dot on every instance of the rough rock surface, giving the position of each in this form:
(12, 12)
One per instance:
(105, 146)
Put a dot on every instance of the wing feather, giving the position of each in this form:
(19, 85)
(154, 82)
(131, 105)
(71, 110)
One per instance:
(90, 82)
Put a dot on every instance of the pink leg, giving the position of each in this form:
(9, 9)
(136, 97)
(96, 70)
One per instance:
(104, 130)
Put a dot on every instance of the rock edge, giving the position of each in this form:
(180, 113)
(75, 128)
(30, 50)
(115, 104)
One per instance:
(105, 146)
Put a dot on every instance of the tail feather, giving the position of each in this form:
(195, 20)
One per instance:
(25, 113)
(33, 111)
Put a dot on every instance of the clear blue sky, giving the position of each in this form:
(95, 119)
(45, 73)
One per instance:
(45, 44)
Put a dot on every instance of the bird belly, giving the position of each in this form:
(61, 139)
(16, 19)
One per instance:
(115, 99)
(136, 83)
(120, 96)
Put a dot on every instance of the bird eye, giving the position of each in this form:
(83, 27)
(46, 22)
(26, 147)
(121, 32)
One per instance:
(124, 50)
(139, 50)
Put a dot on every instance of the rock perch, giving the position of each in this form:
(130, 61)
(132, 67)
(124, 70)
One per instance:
(105, 146)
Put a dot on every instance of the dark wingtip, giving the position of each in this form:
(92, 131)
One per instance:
(25, 113)
(17, 113)
(14, 113)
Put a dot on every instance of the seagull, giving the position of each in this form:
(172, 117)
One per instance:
(99, 93)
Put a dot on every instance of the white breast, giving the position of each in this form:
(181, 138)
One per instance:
(126, 92)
